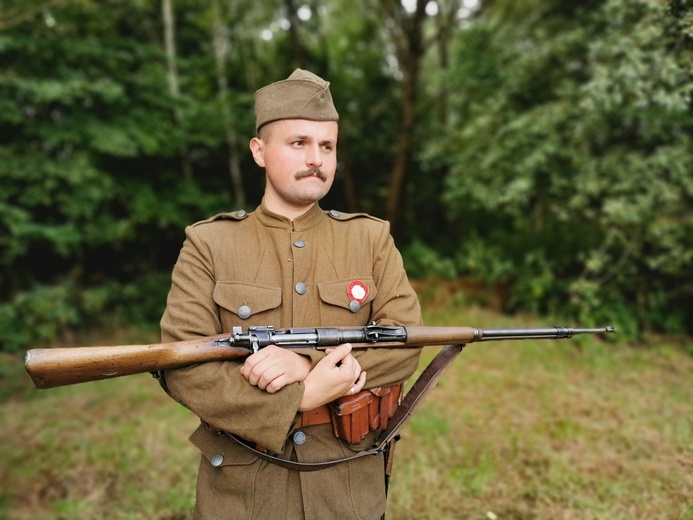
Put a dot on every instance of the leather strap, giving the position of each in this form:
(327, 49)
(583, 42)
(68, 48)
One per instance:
(427, 380)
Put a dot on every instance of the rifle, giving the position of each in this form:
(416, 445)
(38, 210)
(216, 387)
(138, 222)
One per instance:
(51, 367)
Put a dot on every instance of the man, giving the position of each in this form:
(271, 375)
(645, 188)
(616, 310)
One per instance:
(287, 264)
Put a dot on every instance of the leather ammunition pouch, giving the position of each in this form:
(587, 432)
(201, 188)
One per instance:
(353, 416)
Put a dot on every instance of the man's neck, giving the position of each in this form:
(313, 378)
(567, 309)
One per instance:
(289, 211)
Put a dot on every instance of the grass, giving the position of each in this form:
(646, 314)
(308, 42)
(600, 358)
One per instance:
(107, 449)
(572, 429)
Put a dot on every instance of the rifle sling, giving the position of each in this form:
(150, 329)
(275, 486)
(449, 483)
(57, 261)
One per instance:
(427, 380)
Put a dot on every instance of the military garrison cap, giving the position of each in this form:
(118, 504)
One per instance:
(303, 95)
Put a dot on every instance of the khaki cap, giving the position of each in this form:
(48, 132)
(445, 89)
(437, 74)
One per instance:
(303, 95)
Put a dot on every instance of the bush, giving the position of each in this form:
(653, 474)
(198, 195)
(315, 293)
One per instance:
(47, 313)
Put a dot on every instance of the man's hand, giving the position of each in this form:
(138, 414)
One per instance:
(336, 375)
(272, 368)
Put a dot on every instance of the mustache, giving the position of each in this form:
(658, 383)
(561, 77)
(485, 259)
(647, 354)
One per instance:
(310, 172)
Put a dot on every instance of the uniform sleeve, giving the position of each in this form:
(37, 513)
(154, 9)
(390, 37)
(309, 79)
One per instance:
(396, 304)
(216, 391)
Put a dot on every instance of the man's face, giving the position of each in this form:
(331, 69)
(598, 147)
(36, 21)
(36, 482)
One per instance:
(300, 160)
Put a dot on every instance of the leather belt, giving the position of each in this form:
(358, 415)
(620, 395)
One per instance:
(319, 415)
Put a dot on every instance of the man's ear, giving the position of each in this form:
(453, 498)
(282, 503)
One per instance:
(257, 147)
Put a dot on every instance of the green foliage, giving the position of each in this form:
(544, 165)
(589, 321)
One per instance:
(552, 153)
(573, 158)
(39, 315)
(48, 312)
(422, 261)
(102, 164)
(93, 195)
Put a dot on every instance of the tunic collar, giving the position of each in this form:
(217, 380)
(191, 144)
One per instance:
(310, 219)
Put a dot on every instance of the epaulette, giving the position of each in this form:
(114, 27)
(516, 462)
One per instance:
(338, 215)
(234, 215)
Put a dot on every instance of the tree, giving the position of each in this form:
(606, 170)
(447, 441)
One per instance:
(570, 171)
(91, 192)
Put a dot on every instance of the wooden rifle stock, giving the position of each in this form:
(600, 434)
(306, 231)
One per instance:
(51, 367)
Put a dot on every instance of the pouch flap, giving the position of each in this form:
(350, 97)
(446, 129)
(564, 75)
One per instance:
(351, 403)
(380, 391)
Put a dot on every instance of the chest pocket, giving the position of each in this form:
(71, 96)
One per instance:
(247, 304)
(337, 307)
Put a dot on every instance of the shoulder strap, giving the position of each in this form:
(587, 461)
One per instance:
(427, 380)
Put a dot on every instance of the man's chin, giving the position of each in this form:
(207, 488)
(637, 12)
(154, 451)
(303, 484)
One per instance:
(311, 197)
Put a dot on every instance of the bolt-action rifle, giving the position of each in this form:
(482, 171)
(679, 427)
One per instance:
(51, 367)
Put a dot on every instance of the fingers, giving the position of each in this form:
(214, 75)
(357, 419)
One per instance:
(359, 384)
(249, 369)
(270, 377)
(257, 366)
(273, 368)
(337, 374)
(348, 373)
(337, 354)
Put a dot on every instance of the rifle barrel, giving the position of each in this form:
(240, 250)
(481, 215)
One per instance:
(544, 333)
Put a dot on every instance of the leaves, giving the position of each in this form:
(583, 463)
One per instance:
(551, 153)
(585, 128)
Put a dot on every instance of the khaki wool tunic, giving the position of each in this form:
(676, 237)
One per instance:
(247, 269)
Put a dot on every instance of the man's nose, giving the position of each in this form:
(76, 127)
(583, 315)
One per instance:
(313, 156)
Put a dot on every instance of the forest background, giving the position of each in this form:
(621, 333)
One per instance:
(539, 150)
(534, 159)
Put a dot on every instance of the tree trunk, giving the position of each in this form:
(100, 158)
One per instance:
(408, 41)
(297, 53)
(172, 73)
(445, 23)
(221, 47)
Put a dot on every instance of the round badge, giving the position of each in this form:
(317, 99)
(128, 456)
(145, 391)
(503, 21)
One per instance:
(357, 291)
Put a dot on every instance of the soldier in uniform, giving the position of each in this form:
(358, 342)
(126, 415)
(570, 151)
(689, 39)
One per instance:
(288, 264)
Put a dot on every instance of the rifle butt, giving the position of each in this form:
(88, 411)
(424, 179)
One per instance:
(51, 367)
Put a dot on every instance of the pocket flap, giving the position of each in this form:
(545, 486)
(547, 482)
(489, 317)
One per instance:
(219, 450)
(336, 293)
(253, 298)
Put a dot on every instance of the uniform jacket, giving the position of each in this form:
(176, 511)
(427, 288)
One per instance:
(259, 268)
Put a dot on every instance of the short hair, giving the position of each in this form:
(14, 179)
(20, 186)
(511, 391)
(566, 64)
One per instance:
(265, 132)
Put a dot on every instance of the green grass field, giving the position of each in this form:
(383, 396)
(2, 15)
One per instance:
(571, 429)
